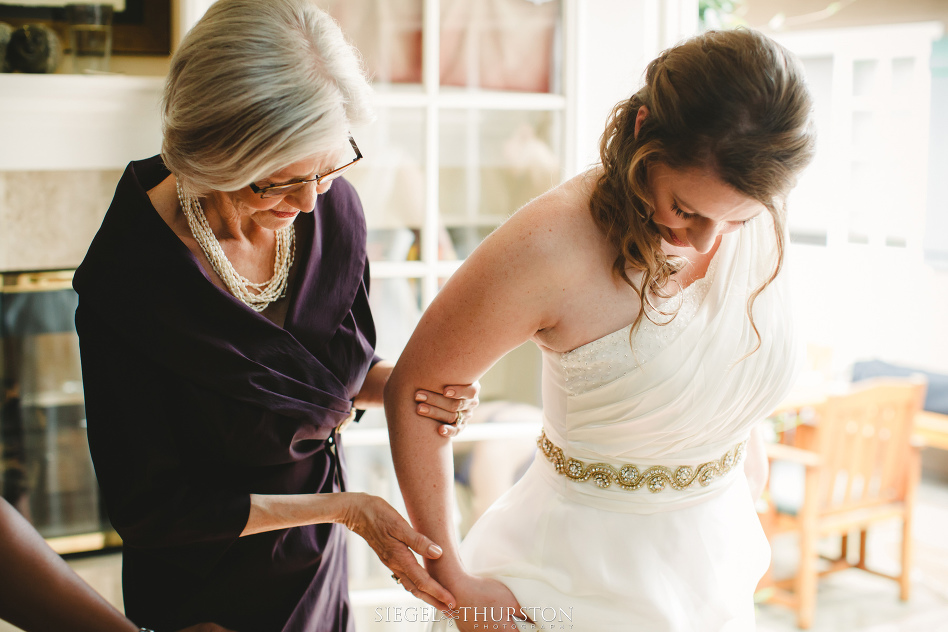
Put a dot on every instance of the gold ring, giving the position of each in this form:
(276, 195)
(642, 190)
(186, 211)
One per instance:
(458, 420)
(395, 577)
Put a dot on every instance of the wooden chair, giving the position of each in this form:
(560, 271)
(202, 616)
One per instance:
(861, 467)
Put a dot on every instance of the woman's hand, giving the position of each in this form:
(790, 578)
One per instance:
(443, 407)
(479, 592)
(452, 407)
(393, 540)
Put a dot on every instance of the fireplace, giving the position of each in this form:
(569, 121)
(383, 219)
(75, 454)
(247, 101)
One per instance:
(45, 468)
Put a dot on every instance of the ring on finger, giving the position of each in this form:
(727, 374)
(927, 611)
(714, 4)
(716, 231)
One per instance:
(396, 578)
(460, 418)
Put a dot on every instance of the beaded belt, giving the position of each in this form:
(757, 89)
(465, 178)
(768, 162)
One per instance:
(630, 478)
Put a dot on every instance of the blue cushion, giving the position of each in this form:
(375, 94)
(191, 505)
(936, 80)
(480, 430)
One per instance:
(936, 399)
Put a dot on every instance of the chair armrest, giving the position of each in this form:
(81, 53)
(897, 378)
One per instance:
(781, 452)
(932, 429)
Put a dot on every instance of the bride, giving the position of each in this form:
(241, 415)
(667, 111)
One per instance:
(651, 284)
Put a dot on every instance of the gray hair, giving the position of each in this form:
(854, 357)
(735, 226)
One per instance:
(256, 86)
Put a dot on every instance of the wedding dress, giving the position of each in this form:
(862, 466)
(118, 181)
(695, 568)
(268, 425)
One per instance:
(680, 548)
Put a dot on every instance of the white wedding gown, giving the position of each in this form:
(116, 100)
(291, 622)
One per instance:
(587, 558)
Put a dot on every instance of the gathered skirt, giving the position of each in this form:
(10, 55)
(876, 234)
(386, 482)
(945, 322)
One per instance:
(575, 566)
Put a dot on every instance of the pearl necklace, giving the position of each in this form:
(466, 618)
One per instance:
(256, 295)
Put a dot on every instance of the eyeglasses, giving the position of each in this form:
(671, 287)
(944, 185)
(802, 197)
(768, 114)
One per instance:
(274, 190)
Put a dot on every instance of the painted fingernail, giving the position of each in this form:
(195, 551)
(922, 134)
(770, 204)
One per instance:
(449, 392)
(443, 430)
(423, 409)
(434, 550)
(421, 397)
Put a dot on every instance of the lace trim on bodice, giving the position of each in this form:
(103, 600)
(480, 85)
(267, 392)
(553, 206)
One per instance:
(606, 359)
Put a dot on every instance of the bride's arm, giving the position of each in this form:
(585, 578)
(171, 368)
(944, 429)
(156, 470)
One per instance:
(503, 294)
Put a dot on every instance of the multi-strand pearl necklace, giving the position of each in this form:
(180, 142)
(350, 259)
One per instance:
(256, 295)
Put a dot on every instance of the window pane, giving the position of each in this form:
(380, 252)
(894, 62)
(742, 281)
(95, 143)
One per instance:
(396, 307)
(903, 71)
(492, 163)
(865, 77)
(386, 32)
(812, 204)
(501, 45)
(390, 180)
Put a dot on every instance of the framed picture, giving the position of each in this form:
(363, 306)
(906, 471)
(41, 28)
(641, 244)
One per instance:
(143, 27)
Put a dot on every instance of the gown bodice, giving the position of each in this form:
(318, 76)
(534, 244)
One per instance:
(682, 390)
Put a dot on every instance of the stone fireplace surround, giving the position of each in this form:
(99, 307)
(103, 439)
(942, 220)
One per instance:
(48, 218)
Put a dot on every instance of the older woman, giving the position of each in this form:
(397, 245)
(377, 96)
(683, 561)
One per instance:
(226, 337)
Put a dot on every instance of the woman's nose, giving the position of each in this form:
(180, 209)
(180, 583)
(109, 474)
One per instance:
(703, 235)
(322, 187)
(305, 199)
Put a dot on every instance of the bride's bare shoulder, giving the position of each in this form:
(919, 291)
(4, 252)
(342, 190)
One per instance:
(548, 250)
(559, 219)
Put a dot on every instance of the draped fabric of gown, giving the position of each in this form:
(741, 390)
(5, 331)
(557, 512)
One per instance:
(594, 558)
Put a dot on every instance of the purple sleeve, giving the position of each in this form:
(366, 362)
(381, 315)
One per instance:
(146, 436)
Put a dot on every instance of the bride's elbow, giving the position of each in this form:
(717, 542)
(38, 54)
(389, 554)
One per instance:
(391, 394)
(398, 397)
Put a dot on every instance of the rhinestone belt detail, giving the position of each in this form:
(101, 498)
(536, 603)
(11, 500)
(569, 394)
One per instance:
(631, 478)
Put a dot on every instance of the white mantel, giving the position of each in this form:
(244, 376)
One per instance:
(77, 122)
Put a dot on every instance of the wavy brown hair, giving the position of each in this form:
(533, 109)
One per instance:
(733, 102)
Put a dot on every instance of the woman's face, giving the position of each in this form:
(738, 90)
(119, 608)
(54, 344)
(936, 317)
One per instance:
(278, 212)
(693, 207)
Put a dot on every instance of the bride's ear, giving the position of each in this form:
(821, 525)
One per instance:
(639, 119)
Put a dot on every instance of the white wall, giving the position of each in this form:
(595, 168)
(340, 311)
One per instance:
(861, 305)
(616, 39)
(868, 293)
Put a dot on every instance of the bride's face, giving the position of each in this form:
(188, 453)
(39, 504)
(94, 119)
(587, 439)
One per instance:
(693, 207)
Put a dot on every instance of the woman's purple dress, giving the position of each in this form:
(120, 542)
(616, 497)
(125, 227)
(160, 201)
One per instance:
(194, 402)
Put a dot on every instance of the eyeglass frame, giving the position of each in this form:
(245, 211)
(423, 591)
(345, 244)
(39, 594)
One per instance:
(262, 191)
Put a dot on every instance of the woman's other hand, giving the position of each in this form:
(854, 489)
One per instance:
(452, 407)
(393, 540)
